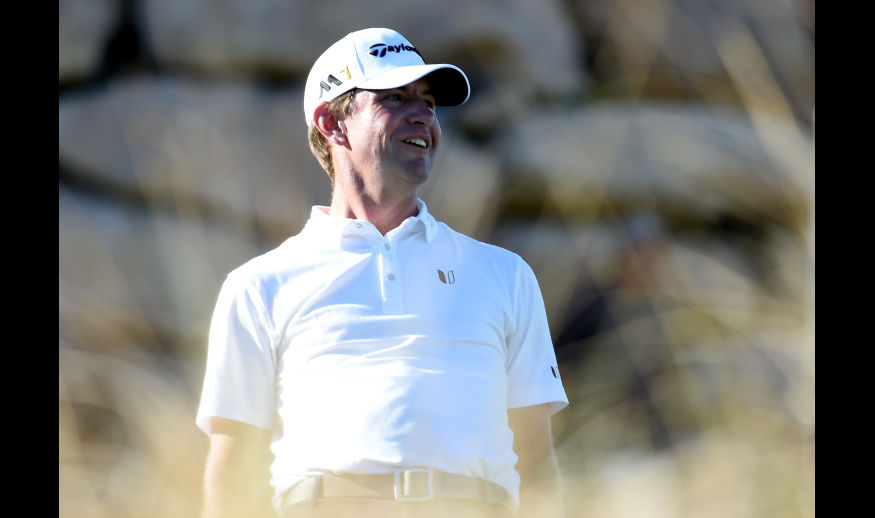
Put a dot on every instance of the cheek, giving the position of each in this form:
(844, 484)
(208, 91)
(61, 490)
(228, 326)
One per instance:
(363, 134)
(436, 133)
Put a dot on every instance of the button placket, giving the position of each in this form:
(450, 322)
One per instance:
(391, 287)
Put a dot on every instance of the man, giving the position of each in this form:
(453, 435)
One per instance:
(392, 366)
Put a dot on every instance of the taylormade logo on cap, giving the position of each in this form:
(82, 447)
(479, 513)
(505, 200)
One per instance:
(379, 49)
(378, 59)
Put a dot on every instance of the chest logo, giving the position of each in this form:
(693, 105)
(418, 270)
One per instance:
(447, 278)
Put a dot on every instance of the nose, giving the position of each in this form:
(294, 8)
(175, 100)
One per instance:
(420, 112)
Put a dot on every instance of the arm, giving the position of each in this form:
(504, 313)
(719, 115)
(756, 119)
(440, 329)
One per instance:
(540, 491)
(237, 476)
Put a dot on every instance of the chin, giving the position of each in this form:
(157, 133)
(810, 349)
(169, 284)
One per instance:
(418, 178)
(418, 174)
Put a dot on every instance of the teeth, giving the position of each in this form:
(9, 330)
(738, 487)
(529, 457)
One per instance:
(416, 142)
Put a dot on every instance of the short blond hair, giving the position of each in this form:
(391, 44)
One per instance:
(341, 106)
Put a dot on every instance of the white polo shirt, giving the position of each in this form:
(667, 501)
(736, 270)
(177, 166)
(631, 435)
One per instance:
(367, 353)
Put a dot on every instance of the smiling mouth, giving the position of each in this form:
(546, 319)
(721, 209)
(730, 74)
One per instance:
(416, 141)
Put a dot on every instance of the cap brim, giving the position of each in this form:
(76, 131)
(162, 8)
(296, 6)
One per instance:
(447, 83)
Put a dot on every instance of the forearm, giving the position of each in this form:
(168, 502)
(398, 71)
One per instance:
(541, 490)
(540, 487)
(237, 475)
(236, 494)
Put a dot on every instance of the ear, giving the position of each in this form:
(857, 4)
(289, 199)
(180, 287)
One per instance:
(329, 126)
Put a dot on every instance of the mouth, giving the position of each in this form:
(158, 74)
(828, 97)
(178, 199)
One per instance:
(416, 141)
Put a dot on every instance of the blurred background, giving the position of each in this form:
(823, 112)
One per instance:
(653, 160)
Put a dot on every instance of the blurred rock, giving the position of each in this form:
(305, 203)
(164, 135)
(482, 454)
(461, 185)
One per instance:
(83, 27)
(517, 42)
(790, 274)
(152, 457)
(706, 476)
(708, 278)
(139, 277)
(562, 255)
(648, 477)
(238, 150)
(679, 48)
(464, 187)
(694, 159)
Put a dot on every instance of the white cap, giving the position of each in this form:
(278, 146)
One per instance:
(378, 59)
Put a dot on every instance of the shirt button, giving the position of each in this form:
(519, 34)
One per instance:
(358, 226)
(391, 276)
(387, 246)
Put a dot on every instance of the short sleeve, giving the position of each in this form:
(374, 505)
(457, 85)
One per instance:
(241, 362)
(533, 374)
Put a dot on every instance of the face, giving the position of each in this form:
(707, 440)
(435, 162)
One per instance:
(393, 135)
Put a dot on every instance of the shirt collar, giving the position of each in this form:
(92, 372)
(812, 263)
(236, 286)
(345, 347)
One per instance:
(330, 225)
(427, 220)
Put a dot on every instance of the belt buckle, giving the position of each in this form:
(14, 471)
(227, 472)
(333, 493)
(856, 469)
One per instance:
(403, 479)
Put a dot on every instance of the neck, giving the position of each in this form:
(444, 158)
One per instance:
(385, 214)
